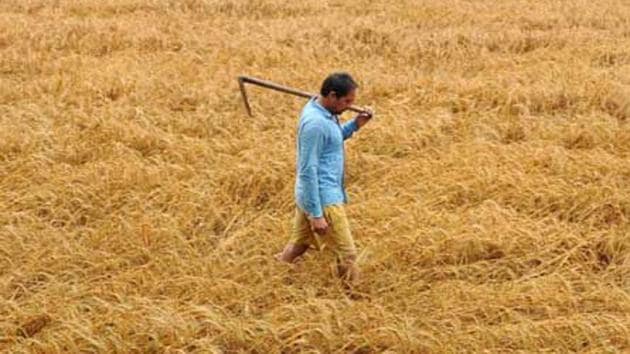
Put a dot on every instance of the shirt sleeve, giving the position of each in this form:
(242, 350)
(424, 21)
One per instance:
(311, 144)
(349, 128)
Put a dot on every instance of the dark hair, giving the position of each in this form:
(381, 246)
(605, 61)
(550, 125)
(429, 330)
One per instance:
(342, 83)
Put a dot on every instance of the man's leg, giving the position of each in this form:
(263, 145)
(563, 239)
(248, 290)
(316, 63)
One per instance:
(291, 252)
(301, 237)
(343, 244)
(348, 270)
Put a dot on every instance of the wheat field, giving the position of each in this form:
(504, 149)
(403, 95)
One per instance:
(140, 207)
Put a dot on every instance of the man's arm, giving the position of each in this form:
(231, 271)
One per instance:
(311, 143)
(349, 128)
(355, 124)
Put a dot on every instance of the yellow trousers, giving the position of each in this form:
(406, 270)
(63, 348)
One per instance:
(338, 239)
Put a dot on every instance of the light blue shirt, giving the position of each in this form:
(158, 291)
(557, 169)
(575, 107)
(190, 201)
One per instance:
(320, 159)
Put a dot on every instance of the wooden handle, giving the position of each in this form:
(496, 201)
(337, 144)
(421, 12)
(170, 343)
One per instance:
(271, 85)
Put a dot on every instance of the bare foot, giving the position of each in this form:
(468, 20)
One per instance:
(356, 295)
(291, 253)
(279, 257)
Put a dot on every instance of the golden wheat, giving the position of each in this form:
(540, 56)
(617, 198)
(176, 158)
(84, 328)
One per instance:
(140, 207)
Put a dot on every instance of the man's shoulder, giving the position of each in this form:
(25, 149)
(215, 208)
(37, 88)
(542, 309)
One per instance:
(312, 115)
(311, 109)
(312, 121)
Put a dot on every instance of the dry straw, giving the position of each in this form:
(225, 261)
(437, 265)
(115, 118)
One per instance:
(140, 207)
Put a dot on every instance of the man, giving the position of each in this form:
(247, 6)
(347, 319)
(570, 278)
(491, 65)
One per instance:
(320, 193)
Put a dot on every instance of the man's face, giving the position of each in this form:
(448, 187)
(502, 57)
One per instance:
(340, 104)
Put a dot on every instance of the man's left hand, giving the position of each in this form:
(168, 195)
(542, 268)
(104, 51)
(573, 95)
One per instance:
(364, 117)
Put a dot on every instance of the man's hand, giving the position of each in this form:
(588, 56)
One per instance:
(364, 117)
(319, 225)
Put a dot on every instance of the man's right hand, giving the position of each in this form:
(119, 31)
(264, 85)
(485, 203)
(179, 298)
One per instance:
(319, 225)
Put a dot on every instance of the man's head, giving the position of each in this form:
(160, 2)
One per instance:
(337, 92)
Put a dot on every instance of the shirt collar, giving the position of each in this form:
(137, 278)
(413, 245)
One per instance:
(326, 112)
